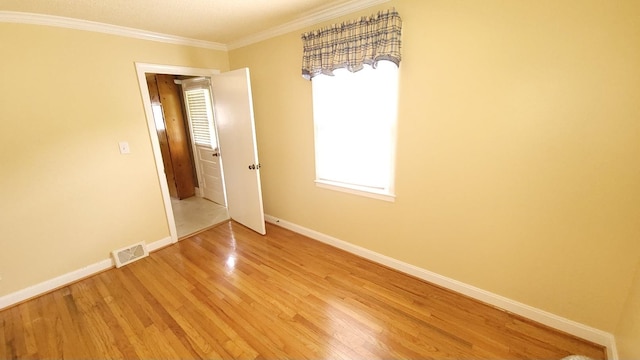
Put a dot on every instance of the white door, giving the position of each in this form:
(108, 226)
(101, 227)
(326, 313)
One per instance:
(233, 108)
(210, 175)
(197, 99)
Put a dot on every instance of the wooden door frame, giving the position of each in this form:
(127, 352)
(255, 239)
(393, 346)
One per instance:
(142, 69)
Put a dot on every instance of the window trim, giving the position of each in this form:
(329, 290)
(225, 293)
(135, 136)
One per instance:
(388, 192)
(388, 196)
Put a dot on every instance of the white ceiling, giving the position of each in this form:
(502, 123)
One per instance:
(218, 21)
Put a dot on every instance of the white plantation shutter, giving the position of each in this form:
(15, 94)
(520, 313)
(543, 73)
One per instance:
(201, 115)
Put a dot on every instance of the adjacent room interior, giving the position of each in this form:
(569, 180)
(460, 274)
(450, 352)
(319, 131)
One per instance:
(509, 228)
(182, 114)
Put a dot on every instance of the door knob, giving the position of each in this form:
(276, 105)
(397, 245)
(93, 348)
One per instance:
(216, 154)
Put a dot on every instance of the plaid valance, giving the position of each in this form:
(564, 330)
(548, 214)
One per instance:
(352, 44)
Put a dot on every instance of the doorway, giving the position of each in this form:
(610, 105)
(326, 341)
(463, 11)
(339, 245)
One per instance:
(231, 95)
(183, 116)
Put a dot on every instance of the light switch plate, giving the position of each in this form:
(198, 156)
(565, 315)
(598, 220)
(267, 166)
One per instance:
(124, 147)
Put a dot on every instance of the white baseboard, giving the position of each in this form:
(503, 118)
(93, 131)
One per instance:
(49, 285)
(156, 245)
(569, 326)
(68, 278)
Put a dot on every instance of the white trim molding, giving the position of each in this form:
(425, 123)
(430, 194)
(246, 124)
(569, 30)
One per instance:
(77, 24)
(52, 284)
(356, 190)
(68, 278)
(142, 69)
(157, 245)
(308, 19)
(569, 326)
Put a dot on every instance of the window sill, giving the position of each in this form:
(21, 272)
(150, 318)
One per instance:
(356, 190)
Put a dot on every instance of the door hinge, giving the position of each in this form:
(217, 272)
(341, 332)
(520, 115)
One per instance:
(254, 166)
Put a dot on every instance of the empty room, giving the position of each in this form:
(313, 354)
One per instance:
(311, 179)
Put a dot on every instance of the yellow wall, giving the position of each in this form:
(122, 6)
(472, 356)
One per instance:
(628, 332)
(67, 196)
(518, 148)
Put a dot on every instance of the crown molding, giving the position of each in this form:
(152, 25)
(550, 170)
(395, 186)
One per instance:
(76, 24)
(307, 19)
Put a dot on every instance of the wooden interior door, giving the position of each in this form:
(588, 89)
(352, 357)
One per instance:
(161, 131)
(181, 163)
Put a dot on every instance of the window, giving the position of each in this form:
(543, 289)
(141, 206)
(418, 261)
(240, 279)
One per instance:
(355, 129)
(200, 116)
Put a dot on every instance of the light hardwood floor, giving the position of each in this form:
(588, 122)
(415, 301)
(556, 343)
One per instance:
(230, 293)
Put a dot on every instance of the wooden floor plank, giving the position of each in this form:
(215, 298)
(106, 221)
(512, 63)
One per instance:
(15, 334)
(73, 325)
(7, 343)
(230, 293)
